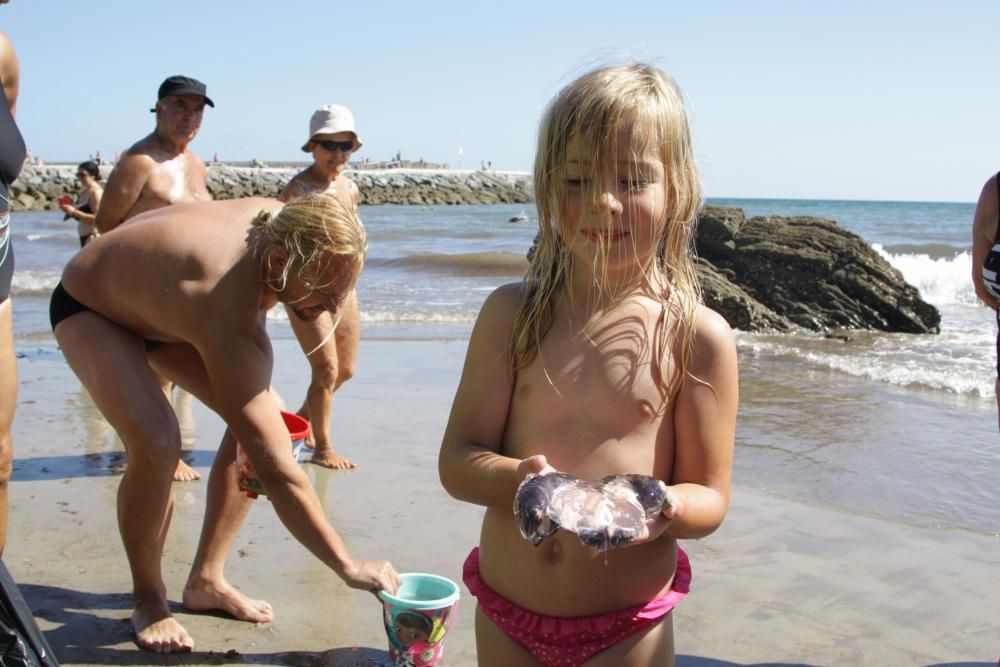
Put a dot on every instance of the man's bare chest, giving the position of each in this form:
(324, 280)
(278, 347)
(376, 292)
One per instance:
(175, 183)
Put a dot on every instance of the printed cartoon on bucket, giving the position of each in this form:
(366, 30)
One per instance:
(418, 617)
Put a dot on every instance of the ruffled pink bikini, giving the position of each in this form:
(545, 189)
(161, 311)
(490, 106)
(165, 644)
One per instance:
(571, 641)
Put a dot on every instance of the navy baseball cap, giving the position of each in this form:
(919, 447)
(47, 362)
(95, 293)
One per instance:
(183, 85)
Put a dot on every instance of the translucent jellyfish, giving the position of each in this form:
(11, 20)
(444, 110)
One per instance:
(604, 514)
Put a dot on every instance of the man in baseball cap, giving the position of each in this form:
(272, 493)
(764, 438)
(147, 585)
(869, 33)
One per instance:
(160, 170)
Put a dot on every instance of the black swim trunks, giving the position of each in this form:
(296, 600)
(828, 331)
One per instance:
(63, 305)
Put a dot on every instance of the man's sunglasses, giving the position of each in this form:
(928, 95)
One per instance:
(330, 145)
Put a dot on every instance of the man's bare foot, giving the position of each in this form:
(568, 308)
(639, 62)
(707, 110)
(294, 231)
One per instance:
(331, 459)
(185, 473)
(210, 596)
(156, 630)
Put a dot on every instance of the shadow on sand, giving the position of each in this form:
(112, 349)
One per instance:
(81, 637)
(96, 464)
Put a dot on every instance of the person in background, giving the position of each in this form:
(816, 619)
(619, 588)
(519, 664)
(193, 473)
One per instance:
(331, 346)
(84, 210)
(603, 361)
(159, 170)
(12, 154)
(986, 258)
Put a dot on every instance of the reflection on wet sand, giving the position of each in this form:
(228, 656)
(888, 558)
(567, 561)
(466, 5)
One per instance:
(104, 450)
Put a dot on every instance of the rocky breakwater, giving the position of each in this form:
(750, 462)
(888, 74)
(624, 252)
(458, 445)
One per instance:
(38, 187)
(420, 186)
(782, 274)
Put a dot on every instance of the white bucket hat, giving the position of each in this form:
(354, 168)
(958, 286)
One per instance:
(331, 119)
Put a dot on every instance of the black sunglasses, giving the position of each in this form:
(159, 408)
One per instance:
(331, 145)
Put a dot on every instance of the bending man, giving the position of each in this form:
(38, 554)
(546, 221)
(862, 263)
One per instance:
(187, 288)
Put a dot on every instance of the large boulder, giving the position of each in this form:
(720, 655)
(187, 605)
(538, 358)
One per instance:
(782, 273)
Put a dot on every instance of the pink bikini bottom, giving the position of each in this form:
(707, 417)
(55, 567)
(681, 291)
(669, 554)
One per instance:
(570, 641)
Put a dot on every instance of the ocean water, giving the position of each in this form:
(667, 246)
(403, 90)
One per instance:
(899, 426)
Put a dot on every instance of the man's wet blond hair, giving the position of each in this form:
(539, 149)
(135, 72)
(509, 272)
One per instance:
(641, 105)
(312, 230)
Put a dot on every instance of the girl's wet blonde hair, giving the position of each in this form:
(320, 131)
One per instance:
(641, 105)
(312, 230)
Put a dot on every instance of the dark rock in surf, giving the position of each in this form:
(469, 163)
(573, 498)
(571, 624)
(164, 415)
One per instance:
(779, 273)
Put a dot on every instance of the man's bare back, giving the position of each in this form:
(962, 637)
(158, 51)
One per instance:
(154, 307)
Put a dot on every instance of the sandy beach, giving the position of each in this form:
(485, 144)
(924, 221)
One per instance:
(781, 583)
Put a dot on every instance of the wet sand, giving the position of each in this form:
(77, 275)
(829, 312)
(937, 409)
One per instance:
(781, 583)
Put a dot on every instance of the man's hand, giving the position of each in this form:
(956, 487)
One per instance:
(373, 576)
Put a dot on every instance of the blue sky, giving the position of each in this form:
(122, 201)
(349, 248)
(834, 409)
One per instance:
(845, 100)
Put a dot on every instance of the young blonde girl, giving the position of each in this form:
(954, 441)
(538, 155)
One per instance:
(602, 361)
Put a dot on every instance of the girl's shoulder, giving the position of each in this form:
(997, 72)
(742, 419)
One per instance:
(711, 336)
(500, 308)
(705, 316)
(505, 299)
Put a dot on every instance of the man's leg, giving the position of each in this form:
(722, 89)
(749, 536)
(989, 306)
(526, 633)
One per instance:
(226, 506)
(111, 363)
(183, 472)
(225, 510)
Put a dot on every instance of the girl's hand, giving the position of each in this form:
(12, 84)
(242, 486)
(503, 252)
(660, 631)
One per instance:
(68, 209)
(537, 465)
(657, 525)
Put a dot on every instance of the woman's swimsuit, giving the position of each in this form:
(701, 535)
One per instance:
(12, 153)
(991, 274)
(92, 235)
